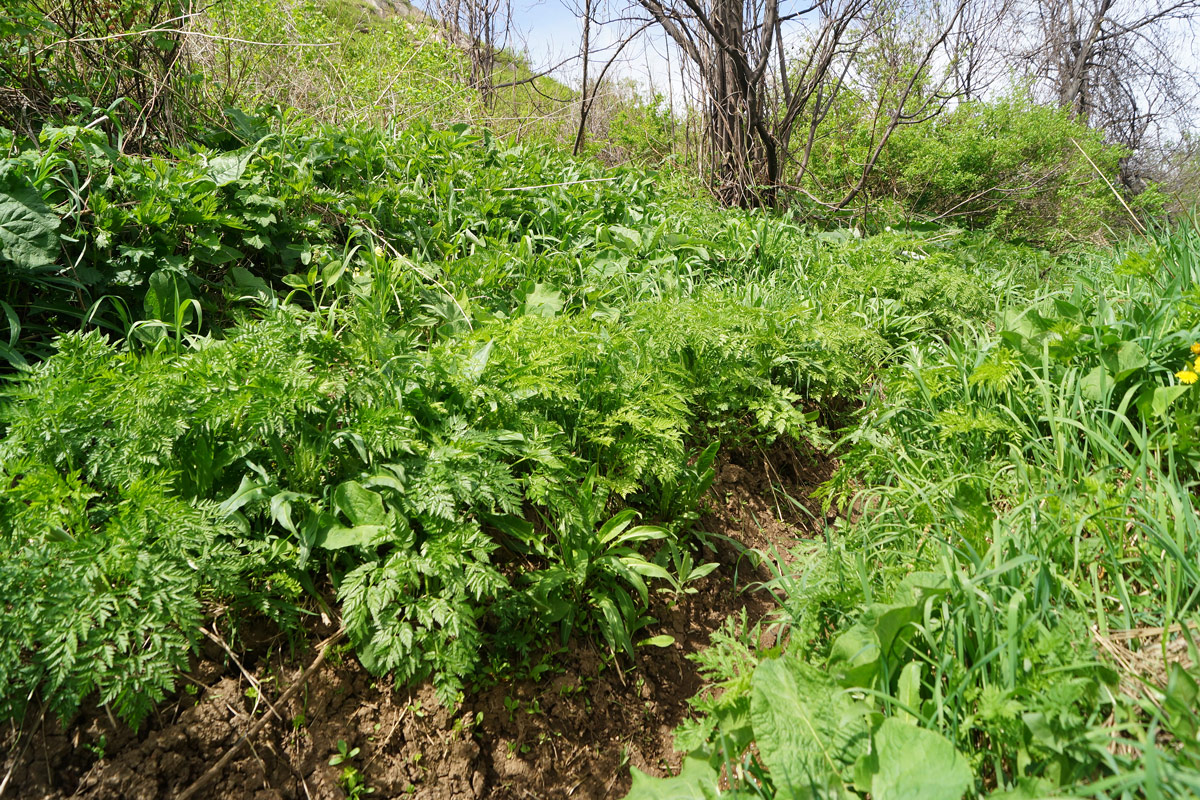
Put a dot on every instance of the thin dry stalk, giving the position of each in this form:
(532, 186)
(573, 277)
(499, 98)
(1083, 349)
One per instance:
(224, 761)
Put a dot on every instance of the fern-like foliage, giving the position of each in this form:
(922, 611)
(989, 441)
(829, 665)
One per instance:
(103, 589)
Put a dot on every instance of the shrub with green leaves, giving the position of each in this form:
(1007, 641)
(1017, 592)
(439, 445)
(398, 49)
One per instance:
(1011, 166)
(339, 62)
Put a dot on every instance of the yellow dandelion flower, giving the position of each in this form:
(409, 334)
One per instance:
(1187, 376)
(1196, 348)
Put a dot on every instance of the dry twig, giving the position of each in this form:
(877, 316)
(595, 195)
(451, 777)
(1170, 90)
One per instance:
(216, 768)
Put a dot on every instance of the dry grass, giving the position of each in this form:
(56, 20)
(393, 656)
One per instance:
(1144, 656)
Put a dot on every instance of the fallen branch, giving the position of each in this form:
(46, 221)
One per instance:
(542, 185)
(216, 768)
(216, 639)
(179, 32)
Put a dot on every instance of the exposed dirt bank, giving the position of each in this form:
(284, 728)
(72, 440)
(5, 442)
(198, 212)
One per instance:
(574, 732)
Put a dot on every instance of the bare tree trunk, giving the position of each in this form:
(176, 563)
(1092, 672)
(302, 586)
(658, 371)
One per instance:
(479, 28)
(584, 106)
(1077, 55)
(1113, 65)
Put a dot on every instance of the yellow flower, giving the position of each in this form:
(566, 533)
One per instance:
(1196, 348)
(1187, 376)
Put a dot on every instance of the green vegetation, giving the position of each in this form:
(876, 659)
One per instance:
(347, 62)
(466, 396)
(1026, 489)
(1018, 169)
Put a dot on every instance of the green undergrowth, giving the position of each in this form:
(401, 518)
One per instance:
(1023, 494)
(467, 392)
(341, 61)
(466, 397)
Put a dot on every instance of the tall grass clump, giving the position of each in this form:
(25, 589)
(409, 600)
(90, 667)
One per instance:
(1014, 591)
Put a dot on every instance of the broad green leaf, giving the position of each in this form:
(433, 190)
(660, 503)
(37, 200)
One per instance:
(12, 321)
(333, 272)
(699, 572)
(1027, 324)
(839, 236)
(1096, 384)
(479, 361)
(9, 354)
(807, 727)
(225, 169)
(1125, 360)
(166, 291)
(908, 690)
(1180, 702)
(640, 533)
(1163, 397)
(248, 283)
(917, 764)
(854, 657)
(248, 491)
(360, 505)
(617, 523)
(222, 254)
(662, 640)
(612, 625)
(892, 623)
(337, 537)
(543, 301)
(1043, 731)
(626, 236)
(1068, 310)
(645, 568)
(28, 229)
(1182, 688)
(281, 509)
(920, 585)
(696, 780)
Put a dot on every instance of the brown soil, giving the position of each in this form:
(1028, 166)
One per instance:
(763, 498)
(574, 732)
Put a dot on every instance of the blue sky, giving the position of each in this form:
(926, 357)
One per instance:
(551, 31)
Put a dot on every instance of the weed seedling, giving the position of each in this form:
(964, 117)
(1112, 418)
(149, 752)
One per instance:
(512, 704)
(352, 781)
